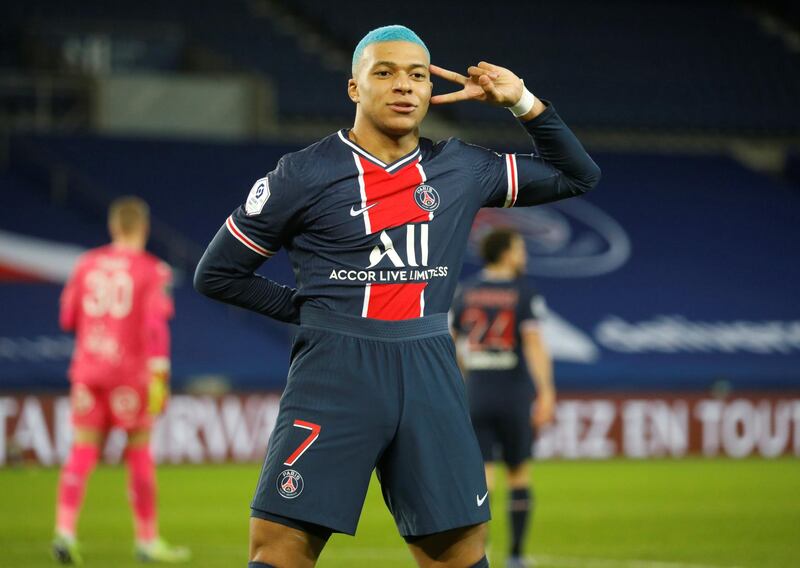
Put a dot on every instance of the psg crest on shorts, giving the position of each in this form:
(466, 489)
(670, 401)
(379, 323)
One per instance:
(290, 484)
(426, 197)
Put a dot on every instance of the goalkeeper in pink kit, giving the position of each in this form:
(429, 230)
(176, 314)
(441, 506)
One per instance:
(118, 305)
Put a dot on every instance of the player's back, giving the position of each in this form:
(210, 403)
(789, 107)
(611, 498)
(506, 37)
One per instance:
(107, 302)
(491, 314)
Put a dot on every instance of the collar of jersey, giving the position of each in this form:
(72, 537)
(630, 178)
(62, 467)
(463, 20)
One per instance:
(400, 162)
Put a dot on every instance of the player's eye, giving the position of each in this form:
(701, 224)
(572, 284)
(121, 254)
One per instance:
(382, 73)
(420, 76)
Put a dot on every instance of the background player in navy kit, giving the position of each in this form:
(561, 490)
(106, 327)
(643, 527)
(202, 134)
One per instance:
(496, 324)
(375, 221)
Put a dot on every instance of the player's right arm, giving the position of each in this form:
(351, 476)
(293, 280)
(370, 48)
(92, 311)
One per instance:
(249, 237)
(456, 331)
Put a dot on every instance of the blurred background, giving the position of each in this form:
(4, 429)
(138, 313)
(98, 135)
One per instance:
(673, 288)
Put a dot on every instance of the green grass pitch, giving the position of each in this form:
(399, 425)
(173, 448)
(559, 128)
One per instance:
(618, 514)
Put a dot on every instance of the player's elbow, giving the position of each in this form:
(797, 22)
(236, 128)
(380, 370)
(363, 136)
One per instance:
(204, 281)
(589, 178)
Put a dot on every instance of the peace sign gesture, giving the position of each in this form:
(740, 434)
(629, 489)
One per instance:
(486, 82)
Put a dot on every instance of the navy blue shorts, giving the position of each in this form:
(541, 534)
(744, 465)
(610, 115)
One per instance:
(503, 425)
(366, 395)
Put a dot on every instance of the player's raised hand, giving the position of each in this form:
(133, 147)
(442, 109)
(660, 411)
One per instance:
(484, 82)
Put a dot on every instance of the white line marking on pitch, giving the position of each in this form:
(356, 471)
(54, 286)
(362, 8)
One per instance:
(584, 562)
(398, 554)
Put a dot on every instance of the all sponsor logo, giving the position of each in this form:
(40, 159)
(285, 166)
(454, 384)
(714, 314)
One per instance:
(289, 484)
(426, 198)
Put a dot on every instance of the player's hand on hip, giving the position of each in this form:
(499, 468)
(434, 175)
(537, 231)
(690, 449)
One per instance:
(484, 82)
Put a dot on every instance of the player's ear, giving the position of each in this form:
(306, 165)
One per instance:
(352, 90)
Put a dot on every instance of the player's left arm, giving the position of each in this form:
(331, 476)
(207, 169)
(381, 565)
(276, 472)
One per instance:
(158, 310)
(540, 367)
(559, 169)
(538, 359)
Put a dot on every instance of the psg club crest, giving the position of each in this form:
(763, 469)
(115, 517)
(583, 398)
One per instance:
(426, 197)
(290, 484)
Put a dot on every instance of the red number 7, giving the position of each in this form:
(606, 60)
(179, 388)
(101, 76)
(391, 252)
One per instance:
(315, 429)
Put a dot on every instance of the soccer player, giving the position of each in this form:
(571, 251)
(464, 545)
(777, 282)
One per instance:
(375, 221)
(497, 315)
(117, 304)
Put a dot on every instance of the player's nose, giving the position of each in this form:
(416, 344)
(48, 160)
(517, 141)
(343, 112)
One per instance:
(402, 83)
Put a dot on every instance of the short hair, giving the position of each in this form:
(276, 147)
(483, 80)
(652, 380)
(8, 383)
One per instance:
(128, 213)
(386, 33)
(497, 242)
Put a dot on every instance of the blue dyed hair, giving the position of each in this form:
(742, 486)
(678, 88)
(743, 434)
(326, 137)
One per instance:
(386, 33)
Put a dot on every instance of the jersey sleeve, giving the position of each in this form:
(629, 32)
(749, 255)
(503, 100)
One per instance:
(270, 215)
(558, 167)
(269, 218)
(533, 308)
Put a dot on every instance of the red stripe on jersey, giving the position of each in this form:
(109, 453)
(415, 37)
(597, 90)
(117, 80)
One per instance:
(511, 180)
(396, 301)
(513, 163)
(390, 196)
(245, 240)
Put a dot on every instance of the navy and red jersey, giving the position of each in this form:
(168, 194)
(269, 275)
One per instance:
(489, 317)
(378, 240)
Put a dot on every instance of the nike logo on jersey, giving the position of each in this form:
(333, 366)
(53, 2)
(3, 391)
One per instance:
(480, 500)
(355, 212)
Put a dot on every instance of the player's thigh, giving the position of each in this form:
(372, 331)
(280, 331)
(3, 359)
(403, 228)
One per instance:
(458, 548)
(485, 426)
(280, 545)
(127, 403)
(432, 474)
(89, 412)
(336, 416)
(514, 431)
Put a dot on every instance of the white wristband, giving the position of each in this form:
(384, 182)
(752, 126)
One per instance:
(524, 104)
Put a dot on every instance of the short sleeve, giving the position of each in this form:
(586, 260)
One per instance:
(533, 307)
(270, 215)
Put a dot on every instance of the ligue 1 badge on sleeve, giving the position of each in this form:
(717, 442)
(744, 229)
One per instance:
(258, 197)
(426, 197)
(290, 484)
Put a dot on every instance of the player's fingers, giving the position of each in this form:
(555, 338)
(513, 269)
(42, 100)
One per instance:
(488, 87)
(490, 66)
(447, 74)
(450, 98)
(475, 72)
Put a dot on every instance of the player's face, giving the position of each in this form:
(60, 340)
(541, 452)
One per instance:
(392, 86)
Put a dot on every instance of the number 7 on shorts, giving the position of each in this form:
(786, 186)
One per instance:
(312, 437)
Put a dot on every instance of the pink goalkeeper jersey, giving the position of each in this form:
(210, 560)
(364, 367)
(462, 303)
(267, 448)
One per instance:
(117, 303)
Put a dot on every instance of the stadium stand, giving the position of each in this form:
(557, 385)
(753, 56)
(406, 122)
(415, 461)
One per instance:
(679, 66)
